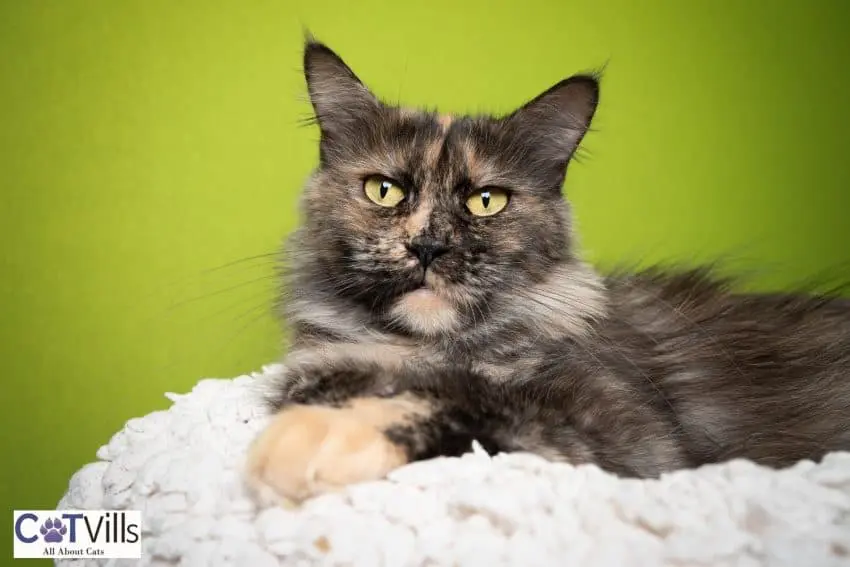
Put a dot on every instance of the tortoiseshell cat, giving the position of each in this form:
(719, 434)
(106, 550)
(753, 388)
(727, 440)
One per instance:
(436, 299)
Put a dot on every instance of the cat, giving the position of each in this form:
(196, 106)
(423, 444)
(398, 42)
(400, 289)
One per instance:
(436, 298)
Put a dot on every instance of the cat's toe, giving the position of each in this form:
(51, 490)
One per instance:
(310, 450)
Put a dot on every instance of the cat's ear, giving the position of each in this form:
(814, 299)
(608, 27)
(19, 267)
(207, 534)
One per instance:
(338, 97)
(556, 120)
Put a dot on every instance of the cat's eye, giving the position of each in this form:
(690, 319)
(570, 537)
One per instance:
(487, 202)
(383, 192)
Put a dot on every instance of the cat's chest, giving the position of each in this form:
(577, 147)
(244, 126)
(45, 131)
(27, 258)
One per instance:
(496, 359)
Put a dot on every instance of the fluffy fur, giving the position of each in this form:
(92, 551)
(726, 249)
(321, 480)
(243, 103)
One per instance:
(507, 337)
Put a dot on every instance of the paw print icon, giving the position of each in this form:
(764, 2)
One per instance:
(53, 530)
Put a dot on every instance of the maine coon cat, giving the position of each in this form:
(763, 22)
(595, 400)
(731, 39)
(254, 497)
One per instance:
(436, 298)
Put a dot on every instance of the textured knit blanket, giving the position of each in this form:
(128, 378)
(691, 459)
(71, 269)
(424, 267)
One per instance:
(182, 468)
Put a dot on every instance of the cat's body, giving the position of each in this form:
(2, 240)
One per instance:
(424, 318)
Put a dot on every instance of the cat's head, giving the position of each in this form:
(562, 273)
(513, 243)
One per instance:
(425, 219)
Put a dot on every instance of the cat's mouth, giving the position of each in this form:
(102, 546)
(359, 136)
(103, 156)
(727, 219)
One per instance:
(421, 287)
(421, 284)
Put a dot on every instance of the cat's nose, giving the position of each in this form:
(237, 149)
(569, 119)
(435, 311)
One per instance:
(427, 249)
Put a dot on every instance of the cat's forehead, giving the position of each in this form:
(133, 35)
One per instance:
(439, 150)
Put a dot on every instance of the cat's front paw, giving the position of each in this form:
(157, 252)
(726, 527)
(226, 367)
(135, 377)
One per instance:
(310, 450)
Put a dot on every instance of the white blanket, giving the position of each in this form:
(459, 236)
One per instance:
(181, 467)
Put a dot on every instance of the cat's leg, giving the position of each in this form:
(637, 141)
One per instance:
(349, 422)
(344, 416)
(354, 421)
(333, 411)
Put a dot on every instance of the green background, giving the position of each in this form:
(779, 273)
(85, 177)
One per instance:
(144, 143)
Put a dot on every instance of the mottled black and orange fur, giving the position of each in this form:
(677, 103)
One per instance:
(519, 344)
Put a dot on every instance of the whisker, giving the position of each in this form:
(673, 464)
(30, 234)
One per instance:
(185, 302)
(266, 256)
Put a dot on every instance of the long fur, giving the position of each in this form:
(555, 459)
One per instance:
(517, 342)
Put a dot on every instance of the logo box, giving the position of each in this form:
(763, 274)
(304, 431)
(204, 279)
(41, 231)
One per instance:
(82, 534)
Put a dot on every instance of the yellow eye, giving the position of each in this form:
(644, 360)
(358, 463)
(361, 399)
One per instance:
(487, 202)
(383, 192)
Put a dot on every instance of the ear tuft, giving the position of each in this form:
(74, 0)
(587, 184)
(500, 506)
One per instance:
(558, 118)
(338, 97)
